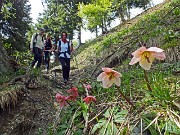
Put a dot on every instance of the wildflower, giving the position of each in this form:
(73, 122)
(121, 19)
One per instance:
(71, 98)
(145, 57)
(61, 100)
(108, 77)
(73, 91)
(88, 86)
(89, 99)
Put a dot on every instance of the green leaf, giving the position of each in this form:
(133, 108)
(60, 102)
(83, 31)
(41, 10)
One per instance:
(120, 117)
(102, 130)
(125, 131)
(63, 126)
(61, 132)
(152, 127)
(84, 114)
(79, 132)
(78, 113)
(83, 105)
(171, 127)
(107, 114)
(100, 123)
(115, 130)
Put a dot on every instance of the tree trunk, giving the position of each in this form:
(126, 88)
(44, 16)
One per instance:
(102, 27)
(121, 14)
(128, 13)
(96, 31)
(79, 36)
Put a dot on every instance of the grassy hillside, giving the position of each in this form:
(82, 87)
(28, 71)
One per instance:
(145, 103)
(158, 26)
(155, 112)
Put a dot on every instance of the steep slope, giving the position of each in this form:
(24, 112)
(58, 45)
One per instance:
(148, 106)
(158, 26)
(152, 113)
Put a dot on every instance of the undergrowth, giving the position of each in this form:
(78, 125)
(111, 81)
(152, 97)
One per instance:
(155, 112)
(14, 85)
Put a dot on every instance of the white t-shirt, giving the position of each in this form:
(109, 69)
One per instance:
(39, 42)
(64, 48)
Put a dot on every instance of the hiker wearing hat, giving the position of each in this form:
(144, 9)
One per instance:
(36, 47)
(64, 47)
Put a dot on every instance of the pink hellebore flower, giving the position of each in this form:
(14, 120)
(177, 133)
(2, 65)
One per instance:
(108, 77)
(89, 99)
(145, 57)
(88, 86)
(71, 98)
(74, 91)
(61, 100)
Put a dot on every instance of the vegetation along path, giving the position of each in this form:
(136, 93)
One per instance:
(126, 81)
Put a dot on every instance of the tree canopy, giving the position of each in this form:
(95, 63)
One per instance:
(72, 15)
(14, 24)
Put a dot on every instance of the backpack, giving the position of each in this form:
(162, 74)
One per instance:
(68, 51)
(48, 44)
(35, 38)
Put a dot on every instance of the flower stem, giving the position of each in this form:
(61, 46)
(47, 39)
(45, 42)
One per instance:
(127, 100)
(87, 116)
(68, 103)
(147, 81)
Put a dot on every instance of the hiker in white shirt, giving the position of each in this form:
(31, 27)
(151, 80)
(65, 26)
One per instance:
(36, 46)
(65, 48)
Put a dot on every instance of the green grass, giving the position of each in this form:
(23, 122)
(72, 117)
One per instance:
(157, 110)
(157, 104)
(111, 114)
(157, 28)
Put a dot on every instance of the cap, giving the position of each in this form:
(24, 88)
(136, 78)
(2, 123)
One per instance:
(41, 30)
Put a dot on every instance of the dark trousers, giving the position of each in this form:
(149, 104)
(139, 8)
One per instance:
(65, 63)
(37, 57)
(47, 59)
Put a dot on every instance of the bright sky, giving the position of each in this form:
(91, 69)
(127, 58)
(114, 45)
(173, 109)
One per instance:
(37, 7)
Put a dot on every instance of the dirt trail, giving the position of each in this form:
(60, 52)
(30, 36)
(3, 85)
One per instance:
(34, 111)
(29, 114)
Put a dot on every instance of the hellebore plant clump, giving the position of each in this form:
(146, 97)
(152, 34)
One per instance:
(108, 77)
(144, 56)
(73, 95)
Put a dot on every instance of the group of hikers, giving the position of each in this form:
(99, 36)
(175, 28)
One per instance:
(42, 49)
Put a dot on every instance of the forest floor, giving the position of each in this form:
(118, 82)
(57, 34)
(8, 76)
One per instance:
(34, 110)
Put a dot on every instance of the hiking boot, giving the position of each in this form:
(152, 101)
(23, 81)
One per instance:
(65, 80)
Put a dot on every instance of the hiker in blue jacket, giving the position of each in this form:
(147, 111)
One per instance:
(64, 47)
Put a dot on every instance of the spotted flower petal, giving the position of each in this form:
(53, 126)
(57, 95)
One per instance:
(73, 91)
(61, 100)
(108, 77)
(89, 99)
(145, 57)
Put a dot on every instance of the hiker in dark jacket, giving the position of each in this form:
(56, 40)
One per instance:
(47, 50)
(36, 47)
(64, 48)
